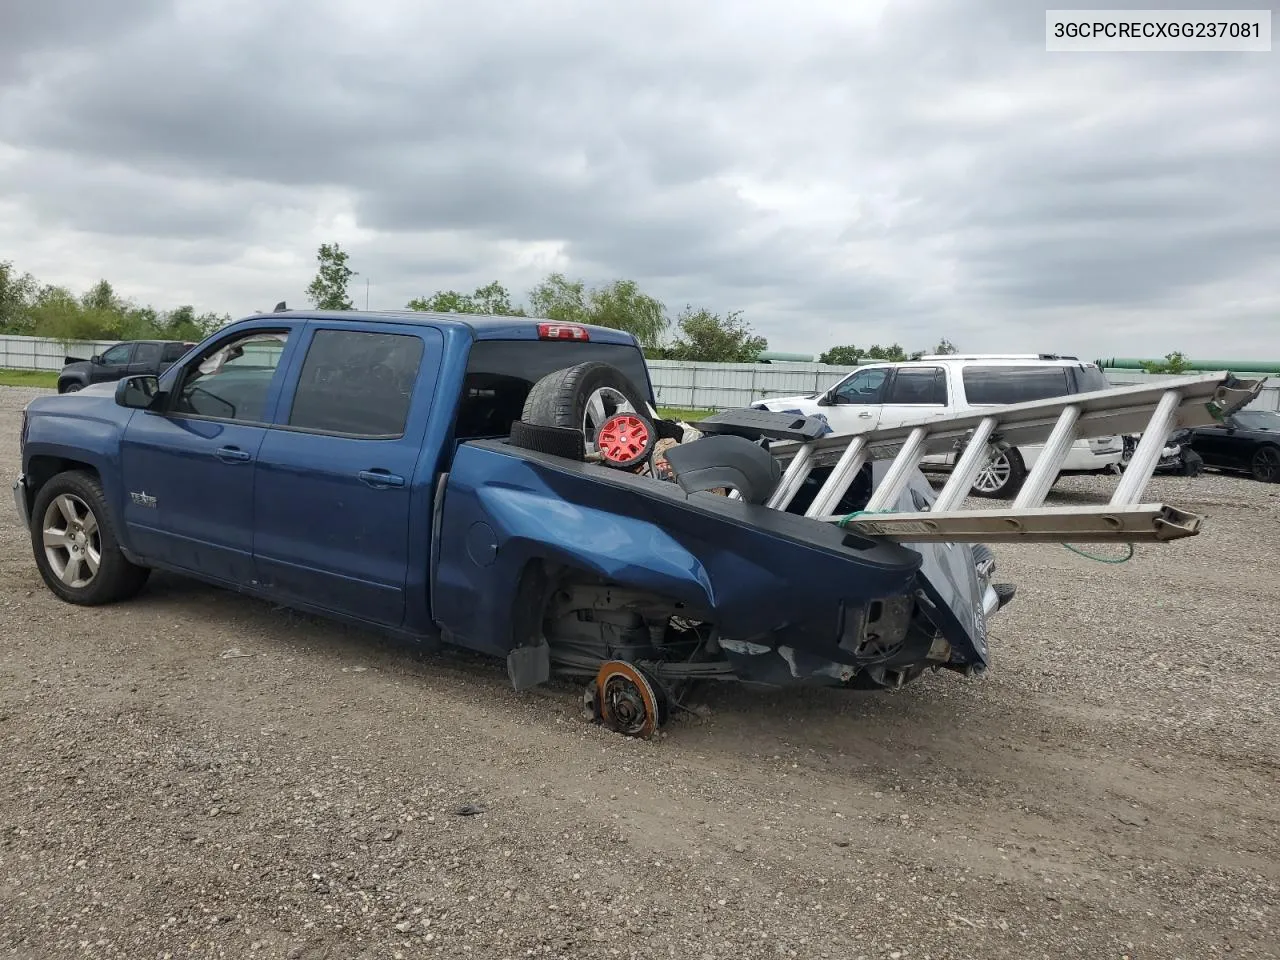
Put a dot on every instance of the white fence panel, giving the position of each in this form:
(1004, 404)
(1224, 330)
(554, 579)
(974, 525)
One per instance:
(677, 383)
(41, 353)
(710, 386)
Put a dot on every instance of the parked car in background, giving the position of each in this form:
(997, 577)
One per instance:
(130, 358)
(1248, 441)
(885, 394)
(1177, 457)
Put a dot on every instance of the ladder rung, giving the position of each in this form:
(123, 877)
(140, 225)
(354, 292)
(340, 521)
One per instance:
(1049, 464)
(899, 473)
(968, 467)
(1146, 456)
(797, 472)
(850, 462)
(1129, 524)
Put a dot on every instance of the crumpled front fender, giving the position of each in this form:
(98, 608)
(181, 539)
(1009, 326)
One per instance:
(756, 572)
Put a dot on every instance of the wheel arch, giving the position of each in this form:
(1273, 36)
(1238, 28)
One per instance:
(46, 461)
(543, 574)
(41, 468)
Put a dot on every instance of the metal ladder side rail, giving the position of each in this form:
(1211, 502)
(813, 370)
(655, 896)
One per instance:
(1184, 403)
(1136, 523)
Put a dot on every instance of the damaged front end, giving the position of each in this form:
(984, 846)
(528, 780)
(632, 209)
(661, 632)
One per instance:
(941, 622)
(643, 582)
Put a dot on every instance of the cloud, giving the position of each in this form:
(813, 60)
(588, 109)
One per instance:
(841, 172)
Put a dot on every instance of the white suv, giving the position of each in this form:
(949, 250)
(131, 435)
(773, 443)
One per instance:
(887, 394)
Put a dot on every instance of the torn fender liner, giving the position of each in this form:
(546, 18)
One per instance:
(725, 461)
(529, 666)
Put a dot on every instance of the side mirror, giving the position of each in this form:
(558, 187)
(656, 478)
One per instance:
(96, 359)
(138, 393)
(826, 400)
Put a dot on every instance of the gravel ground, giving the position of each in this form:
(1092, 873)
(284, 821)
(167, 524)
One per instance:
(195, 774)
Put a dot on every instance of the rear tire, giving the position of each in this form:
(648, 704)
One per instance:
(582, 397)
(75, 544)
(1002, 477)
(1265, 465)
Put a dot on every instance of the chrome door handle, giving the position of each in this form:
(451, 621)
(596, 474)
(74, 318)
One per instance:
(866, 414)
(231, 455)
(380, 478)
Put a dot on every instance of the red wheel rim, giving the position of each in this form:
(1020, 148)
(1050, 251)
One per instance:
(622, 438)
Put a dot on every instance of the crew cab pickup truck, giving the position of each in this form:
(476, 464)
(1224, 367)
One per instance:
(129, 358)
(413, 473)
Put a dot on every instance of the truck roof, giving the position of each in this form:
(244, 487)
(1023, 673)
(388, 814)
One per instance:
(481, 326)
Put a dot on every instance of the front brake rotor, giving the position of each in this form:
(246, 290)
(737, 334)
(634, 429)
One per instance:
(628, 701)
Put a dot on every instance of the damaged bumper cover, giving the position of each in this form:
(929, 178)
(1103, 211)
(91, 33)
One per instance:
(942, 622)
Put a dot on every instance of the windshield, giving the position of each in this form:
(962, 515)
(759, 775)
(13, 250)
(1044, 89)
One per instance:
(500, 374)
(1258, 420)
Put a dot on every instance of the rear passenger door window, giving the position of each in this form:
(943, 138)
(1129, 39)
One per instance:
(918, 386)
(357, 384)
(1011, 384)
(146, 358)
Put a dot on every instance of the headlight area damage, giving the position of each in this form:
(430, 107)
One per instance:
(646, 555)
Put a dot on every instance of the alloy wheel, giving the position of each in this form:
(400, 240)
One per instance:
(72, 540)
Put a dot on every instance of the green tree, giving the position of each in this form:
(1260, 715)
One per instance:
(945, 346)
(102, 296)
(328, 291)
(1175, 362)
(710, 338)
(893, 353)
(60, 314)
(620, 305)
(17, 295)
(494, 300)
(846, 356)
(98, 314)
(559, 298)
(183, 323)
(491, 299)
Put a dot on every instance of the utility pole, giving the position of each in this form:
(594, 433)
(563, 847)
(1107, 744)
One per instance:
(366, 293)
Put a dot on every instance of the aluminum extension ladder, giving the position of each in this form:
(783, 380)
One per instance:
(1154, 411)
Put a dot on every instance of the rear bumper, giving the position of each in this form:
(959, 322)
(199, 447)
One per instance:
(1099, 457)
(20, 501)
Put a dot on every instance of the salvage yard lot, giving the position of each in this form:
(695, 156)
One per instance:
(197, 774)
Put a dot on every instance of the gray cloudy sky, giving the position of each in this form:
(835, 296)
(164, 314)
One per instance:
(841, 171)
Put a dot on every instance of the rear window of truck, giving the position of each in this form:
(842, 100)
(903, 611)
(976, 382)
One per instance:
(500, 374)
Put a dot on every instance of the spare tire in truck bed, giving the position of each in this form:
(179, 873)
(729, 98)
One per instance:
(582, 397)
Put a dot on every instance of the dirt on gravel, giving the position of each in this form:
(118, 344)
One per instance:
(197, 774)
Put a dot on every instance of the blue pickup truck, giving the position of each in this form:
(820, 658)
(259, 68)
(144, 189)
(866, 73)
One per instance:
(441, 478)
